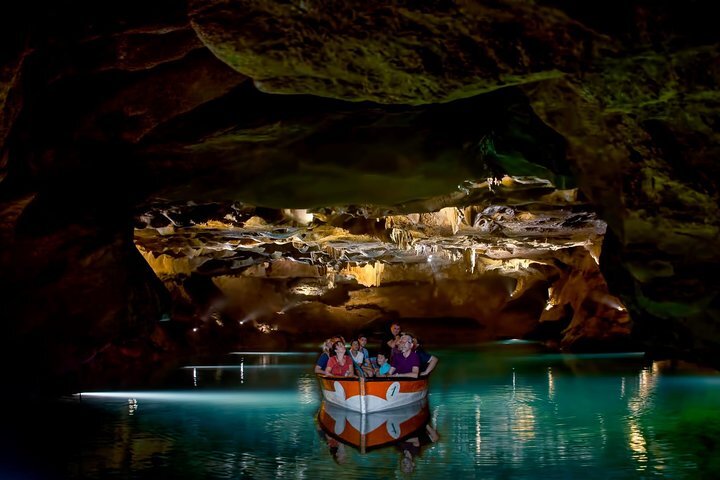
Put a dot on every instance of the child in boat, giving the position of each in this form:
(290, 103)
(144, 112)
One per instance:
(355, 352)
(369, 361)
(383, 366)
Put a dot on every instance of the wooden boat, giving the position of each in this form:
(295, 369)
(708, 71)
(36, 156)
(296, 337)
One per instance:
(373, 430)
(376, 394)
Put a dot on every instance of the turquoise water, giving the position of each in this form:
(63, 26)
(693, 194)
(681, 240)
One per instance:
(500, 411)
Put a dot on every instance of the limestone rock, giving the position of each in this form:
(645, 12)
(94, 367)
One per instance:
(393, 53)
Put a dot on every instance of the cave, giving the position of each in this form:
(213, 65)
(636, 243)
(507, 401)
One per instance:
(186, 178)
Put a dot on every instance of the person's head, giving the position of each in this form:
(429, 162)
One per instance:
(362, 339)
(395, 329)
(405, 343)
(327, 345)
(338, 348)
(355, 346)
(381, 359)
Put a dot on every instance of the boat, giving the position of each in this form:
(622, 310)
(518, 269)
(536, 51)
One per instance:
(375, 394)
(373, 430)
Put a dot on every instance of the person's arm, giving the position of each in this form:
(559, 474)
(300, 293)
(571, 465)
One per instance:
(431, 365)
(319, 369)
(413, 374)
(366, 358)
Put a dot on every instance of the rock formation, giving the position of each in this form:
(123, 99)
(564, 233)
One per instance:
(338, 160)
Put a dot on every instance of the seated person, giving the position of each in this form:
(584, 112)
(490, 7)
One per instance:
(383, 369)
(427, 361)
(339, 365)
(362, 340)
(355, 352)
(322, 360)
(405, 362)
(359, 358)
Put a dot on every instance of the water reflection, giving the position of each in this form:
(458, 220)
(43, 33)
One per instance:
(498, 414)
(374, 430)
(132, 406)
(551, 384)
(638, 404)
(406, 429)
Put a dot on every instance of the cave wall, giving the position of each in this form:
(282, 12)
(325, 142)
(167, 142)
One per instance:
(90, 94)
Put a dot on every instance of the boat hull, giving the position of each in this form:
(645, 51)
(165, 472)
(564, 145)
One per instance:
(367, 395)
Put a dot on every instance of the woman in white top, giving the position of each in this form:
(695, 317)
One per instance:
(355, 352)
(358, 357)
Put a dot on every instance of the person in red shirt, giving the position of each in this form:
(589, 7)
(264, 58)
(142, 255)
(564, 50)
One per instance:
(339, 365)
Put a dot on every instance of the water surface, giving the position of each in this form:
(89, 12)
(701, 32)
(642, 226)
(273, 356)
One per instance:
(500, 411)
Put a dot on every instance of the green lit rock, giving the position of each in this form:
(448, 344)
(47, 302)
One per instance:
(393, 53)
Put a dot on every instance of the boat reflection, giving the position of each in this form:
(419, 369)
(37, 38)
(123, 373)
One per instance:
(373, 430)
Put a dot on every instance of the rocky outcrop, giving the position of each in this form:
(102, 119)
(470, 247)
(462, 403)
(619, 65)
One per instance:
(237, 268)
(591, 317)
(61, 308)
(399, 53)
(656, 188)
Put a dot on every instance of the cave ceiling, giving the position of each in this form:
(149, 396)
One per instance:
(360, 161)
